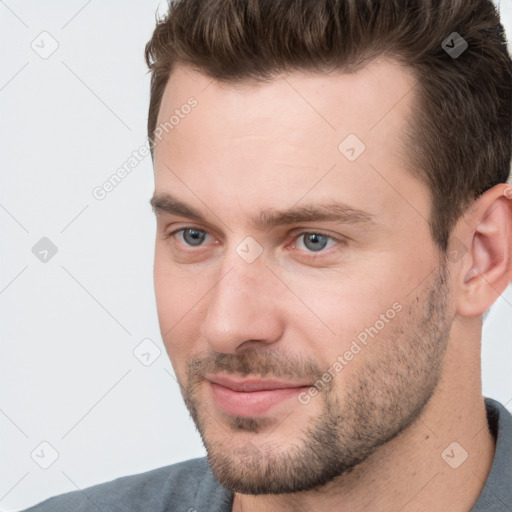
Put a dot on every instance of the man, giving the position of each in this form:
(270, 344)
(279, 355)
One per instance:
(333, 220)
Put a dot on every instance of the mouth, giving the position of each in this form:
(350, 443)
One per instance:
(251, 397)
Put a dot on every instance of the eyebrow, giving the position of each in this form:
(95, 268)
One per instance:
(332, 211)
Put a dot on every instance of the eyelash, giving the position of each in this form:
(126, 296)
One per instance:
(311, 254)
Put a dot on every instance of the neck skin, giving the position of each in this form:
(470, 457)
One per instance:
(408, 473)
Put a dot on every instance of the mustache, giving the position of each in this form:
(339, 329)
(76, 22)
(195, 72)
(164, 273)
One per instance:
(255, 362)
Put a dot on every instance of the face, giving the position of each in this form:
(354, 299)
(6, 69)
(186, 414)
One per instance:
(300, 296)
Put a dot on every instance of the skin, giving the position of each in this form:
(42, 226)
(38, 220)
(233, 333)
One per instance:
(373, 438)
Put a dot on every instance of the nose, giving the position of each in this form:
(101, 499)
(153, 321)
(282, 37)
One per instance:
(243, 307)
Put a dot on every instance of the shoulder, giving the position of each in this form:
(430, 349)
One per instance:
(185, 486)
(497, 491)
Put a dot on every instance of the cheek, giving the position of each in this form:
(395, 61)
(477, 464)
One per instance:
(178, 294)
(175, 288)
(185, 294)
(348, 316)
(350, 299)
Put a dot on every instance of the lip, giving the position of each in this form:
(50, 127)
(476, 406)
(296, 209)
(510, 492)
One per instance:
(250, 397)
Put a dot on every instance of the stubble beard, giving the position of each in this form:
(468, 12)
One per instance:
(381, 401)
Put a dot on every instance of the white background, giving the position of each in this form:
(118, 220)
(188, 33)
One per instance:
(69, 326)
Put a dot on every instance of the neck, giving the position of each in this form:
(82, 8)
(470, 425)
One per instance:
(441, 462)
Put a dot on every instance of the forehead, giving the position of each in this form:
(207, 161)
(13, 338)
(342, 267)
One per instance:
(363, 97)
(294, 136)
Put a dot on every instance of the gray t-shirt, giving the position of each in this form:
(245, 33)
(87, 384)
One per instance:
(191, 487)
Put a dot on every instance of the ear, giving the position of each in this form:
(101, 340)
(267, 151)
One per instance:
(486, 268)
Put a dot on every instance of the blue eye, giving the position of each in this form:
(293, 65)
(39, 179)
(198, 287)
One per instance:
(314, 241)
(192, 236)
(308, 242)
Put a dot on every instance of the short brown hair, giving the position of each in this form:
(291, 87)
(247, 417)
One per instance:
(459, 136)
